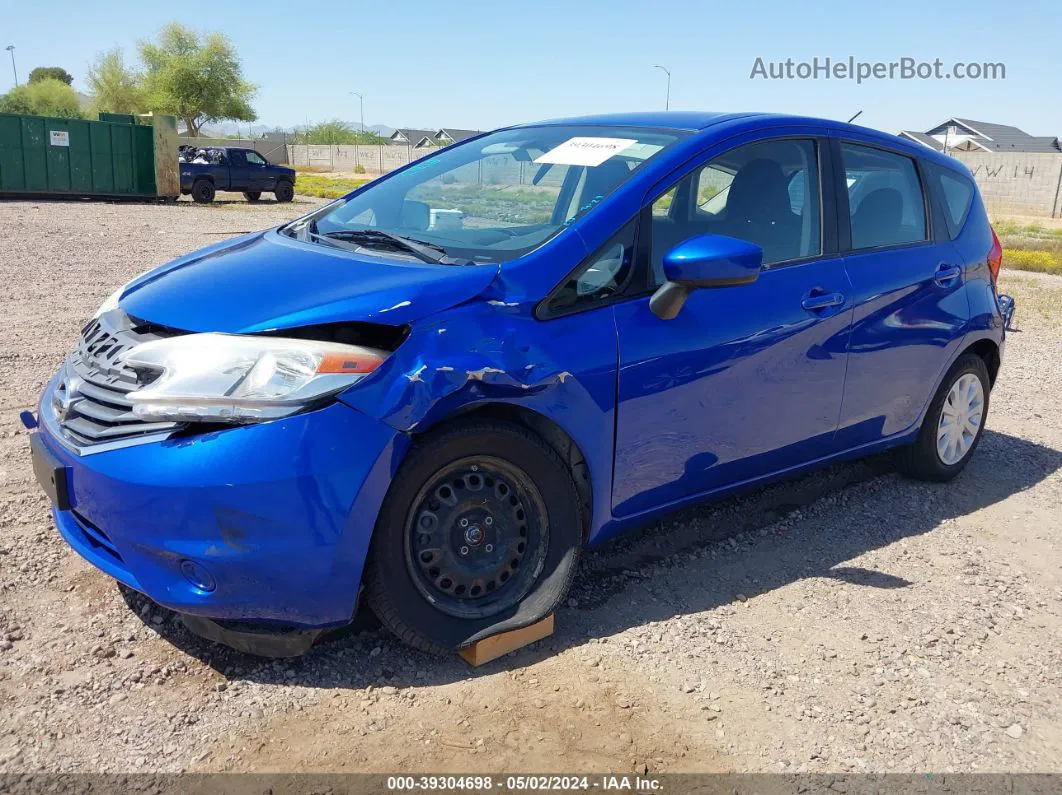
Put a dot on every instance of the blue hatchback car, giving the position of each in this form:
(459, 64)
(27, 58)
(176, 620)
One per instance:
(435, 391)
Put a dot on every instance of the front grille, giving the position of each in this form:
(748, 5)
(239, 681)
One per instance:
(91, 397)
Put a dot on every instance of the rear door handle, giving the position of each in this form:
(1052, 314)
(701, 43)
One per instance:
(946, 274)
(816, 301)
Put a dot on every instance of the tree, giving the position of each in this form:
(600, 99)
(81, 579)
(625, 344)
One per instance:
(337, 131)
(51, 73)
(116, 88)
(48, 97)
(197, 78)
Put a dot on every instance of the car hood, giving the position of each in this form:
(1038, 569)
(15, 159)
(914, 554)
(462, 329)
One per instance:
(266, 281)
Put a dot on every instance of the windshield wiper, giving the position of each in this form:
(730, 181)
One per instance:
(425, 252)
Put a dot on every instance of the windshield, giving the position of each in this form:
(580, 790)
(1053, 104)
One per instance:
(488, 200)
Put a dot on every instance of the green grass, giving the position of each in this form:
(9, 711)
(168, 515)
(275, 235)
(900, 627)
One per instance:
(326, 187)
(1030, 247)
(1037, 260)
(1034, 231)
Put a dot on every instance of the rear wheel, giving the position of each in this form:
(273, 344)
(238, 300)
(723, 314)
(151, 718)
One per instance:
(479, 533)
(284, 191)
(953, 424)
(252, 195)
(203, 191)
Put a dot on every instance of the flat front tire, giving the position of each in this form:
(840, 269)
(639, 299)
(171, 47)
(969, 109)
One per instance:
(479, 533)
(953, 424)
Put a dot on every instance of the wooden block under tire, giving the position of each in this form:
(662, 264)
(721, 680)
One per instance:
(483, 651)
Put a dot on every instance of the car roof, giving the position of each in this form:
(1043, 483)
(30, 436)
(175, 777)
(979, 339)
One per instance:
(674, 120)
(698, 121)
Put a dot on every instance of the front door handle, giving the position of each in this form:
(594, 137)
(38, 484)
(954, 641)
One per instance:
(946, 274)
(818, 301)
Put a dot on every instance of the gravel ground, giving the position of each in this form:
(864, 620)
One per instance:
(848, 621)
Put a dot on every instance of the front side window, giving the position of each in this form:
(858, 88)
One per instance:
(885, 201)
(255, 159)
(491, 199)
(766, 193)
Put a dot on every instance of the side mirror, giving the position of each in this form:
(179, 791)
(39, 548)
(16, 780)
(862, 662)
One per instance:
(704, 261)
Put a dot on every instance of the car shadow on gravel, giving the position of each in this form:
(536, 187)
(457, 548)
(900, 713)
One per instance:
(696, 560)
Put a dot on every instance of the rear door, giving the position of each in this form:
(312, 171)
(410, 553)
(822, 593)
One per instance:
(910, 310)
(745, 380)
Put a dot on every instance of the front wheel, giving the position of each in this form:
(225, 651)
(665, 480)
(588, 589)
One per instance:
(953, 424)
(479, 533)
(284, 192)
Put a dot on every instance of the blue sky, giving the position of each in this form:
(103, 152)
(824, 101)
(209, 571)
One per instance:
(482, 64)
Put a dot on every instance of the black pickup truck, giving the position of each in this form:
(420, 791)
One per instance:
(209, 169)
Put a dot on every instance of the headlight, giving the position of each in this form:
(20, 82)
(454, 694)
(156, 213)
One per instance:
(237, 379)
(110, 302)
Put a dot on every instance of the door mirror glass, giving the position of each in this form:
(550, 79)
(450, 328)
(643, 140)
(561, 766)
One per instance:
(704, 261)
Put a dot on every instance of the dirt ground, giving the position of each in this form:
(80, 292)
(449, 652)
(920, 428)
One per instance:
(851, 620)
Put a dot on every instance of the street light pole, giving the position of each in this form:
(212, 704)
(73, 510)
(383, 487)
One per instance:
(667, 97)
(11, 49)
(361, 108)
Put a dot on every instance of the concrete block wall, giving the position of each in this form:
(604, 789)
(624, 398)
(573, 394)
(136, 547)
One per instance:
(374, 158)
(1017, 183)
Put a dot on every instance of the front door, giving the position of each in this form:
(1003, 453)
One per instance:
(746, 380)
(259, 175)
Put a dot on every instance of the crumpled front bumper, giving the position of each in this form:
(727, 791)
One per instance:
(268, 522)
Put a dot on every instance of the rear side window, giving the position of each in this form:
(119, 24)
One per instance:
(957, 192)
(885, 200)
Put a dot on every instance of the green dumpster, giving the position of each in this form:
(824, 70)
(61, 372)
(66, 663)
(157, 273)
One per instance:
(45, 156)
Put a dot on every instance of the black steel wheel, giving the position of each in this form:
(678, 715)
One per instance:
(476, 537)
(479, 533)
(284, 191)
(203, 191)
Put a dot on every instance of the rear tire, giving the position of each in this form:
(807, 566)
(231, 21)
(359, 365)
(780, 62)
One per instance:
(479, 533)
(284, 191)
(953, 424)
(252, 195)
(203, 191)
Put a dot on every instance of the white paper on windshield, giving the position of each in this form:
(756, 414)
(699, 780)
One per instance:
(585, 151)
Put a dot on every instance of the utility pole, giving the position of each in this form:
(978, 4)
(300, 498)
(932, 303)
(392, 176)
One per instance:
(667, 97)
(11, 49)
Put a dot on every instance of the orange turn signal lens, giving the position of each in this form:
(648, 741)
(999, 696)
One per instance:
(350, 363)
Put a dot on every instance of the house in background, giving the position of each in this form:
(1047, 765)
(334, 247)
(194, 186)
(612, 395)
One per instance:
(966, 135)
(450, 135)
(410, 137)
(419, 139)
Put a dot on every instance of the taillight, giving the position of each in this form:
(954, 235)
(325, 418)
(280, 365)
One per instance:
(995, 257)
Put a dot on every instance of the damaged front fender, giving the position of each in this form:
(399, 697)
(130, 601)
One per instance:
(489, 352)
